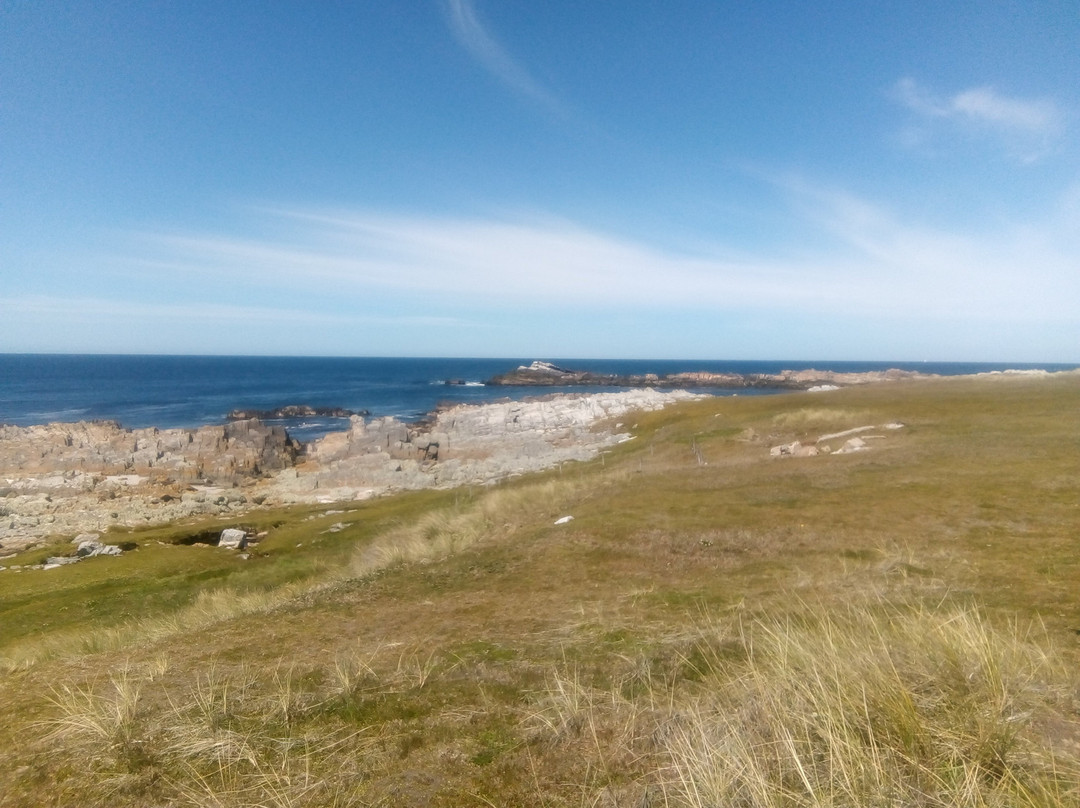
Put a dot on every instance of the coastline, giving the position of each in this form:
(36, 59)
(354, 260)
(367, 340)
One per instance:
(63, 480)
(69, 479)
(193, 391)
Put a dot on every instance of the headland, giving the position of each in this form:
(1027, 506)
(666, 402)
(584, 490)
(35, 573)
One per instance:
(541, 374)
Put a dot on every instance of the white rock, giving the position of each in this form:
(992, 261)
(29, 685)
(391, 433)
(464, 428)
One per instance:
(845, 433)
(233, 539)
(95, 548)
(853, 445)
(795, 449)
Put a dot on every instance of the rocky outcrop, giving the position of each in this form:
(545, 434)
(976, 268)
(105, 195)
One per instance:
(542, 374)
(464, 444)
(221, 454)
(854, 442)
(292, 411)
(86, 549)
(89, 549)
(794, 449)
(62, 479)
(545, 374)
(68, 478)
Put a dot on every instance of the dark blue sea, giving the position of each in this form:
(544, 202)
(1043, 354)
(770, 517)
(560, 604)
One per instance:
(191, 391)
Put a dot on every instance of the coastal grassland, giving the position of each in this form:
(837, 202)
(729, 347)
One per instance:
(715, 627)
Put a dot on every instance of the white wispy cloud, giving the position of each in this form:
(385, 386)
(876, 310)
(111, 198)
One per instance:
(530, 261)
(73, 309)
(1031, 126)
(878, 262)
(348, 281)
(471, 33)
(1011, 271)
(983, 104)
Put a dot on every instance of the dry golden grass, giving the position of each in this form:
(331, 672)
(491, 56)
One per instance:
(871, 706)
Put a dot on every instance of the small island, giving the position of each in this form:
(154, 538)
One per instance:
(293, 411)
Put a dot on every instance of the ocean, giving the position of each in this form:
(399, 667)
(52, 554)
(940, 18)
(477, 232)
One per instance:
(192, 391)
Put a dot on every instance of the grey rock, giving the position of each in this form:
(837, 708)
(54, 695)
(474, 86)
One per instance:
(233, 539)
(473, 444)
(93, 547)
(85, 477)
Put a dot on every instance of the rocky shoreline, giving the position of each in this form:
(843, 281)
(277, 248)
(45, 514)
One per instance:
(66, 479)
(62, 480)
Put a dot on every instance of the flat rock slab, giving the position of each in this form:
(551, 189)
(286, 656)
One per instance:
(233, 539)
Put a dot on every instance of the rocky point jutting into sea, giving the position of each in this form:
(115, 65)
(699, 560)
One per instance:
(65, 479)
(540, 374)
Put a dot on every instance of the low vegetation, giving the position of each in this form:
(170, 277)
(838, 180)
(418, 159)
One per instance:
(715, 627)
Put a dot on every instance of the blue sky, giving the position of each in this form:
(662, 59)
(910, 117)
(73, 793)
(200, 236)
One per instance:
(692, 179)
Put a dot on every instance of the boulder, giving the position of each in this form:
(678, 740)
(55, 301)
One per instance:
(233, 539)
(794, 449)
(93, 547)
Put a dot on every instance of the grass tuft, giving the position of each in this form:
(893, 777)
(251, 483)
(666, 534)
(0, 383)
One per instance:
(444, 532)
(877, 707)
(95, 718)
